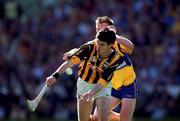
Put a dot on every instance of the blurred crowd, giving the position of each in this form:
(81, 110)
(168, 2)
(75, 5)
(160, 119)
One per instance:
(34, 34)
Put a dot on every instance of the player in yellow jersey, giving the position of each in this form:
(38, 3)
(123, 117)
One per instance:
(99, 62)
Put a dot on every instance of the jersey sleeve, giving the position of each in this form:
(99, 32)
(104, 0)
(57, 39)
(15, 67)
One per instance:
(81, 54)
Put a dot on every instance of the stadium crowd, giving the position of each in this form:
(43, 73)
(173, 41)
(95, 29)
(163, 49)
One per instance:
(34, 34)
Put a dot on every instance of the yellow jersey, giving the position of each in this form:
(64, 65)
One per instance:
(126, 75)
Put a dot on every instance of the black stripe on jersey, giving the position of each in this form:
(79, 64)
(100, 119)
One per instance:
(98, 62)
(108, 73)
(110, 77)
(110, 58)
(90, 71)
(86, 60)
(96, 78)
(112, 54)
(95, 54)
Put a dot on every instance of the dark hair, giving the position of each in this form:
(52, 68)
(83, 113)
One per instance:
(106, 35)
(105, 19)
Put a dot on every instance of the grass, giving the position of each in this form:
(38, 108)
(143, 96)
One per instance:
(166, 119)
(136, 119)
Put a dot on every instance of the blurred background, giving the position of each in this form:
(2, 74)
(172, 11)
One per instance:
(34, 34)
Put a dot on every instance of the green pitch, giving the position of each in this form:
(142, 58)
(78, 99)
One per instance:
(136, 119)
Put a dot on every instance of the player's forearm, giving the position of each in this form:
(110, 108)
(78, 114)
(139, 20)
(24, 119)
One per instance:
(53, 78)
(63, 67)
(126, 43)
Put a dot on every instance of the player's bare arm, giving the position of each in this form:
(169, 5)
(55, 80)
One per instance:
(122, 40)
(126, 43)
(52, 79)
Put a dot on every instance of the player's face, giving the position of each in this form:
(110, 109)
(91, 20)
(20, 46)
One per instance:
(103, 48)
(100, 26)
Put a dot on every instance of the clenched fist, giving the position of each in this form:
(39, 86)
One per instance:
(50, 80)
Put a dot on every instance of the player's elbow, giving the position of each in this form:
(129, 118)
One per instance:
(131, 48)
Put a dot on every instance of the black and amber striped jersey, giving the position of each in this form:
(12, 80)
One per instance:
(93, 68)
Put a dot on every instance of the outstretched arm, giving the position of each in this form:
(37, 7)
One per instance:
(62, 68)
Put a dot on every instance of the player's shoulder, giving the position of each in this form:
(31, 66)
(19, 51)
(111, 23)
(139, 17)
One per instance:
(88, 45)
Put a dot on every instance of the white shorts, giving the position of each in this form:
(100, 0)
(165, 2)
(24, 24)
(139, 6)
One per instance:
(83, 87)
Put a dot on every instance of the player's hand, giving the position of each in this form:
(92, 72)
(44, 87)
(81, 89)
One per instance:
(112, 28)
(87, 97)
(50, 80)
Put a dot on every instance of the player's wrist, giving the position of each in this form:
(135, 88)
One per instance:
(56, 75)
(90, 93)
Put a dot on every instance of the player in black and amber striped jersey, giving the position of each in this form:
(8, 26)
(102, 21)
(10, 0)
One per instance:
(94, 66)
(98, 61)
